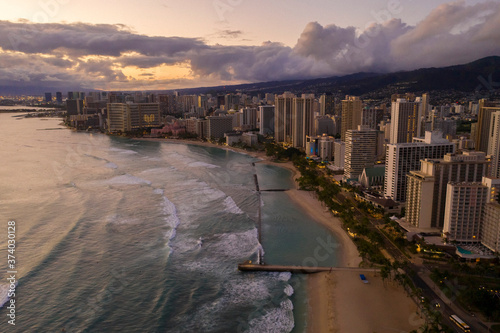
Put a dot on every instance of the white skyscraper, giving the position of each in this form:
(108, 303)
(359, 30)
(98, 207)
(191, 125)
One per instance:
(401, 158)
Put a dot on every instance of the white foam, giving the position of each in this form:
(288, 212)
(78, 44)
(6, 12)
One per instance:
(123, 151)
(289, 290)
(207, 194)
(274, 321)
(172, 219)
(111, 165)
(240, 292)
(127, 180)
(287, 305)
(4, 292)
(231, 206)
(235, 245)
(202, 164)
(284, 276)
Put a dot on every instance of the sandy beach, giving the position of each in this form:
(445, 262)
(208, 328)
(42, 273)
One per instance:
(339, 301)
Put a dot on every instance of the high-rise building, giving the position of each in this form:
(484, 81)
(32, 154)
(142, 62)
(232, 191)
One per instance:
(339, 154)
(269, 98)
(59, 97)
(425, 105)
(197, 126)
(351, 114)
(372, 116)
(320, 146)
(126, 117)
(48, 97)
(401, 158)
(326, 104)
(465, 203)
(283, 118)
(325, 125)
(494, 144)
(490, 232)
(231, 101)
(472, 211)
(217, 126)
(74, 107)
(486, 108)
(360, 151)
(249, 117)
(266, 116)
(203, 102)
(405, 120)
(302, 120)
(426, 188)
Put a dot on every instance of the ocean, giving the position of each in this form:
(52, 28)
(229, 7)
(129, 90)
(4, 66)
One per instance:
(122, 235)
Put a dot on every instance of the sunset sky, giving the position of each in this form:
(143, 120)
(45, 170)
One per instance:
(168, 44)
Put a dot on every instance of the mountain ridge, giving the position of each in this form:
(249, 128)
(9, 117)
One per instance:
(481, 74)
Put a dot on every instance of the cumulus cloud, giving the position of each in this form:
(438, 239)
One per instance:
(97, 55)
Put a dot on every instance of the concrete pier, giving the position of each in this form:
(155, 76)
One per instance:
(247, 267)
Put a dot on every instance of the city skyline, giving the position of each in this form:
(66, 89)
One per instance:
(231, 42)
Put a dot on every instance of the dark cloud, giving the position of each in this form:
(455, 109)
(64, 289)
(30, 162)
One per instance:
(96, 55)
(88, 39)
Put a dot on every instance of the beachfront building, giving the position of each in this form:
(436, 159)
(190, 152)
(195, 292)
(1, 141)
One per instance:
(126, 117)
(401, 158)
(217, 126)
(426, 188)
(197, 126)
(360, 151)
(266, 116)
(302, 120)
(283, 118)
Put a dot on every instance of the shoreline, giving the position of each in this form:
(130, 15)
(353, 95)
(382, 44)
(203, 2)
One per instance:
(320, 287)
(339, 301)
(256, 154)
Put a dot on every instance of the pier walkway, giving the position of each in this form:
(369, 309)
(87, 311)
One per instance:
(247, 267)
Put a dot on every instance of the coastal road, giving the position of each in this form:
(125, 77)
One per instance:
(447, 307)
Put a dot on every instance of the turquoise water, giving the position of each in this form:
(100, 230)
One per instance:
(120, 235)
